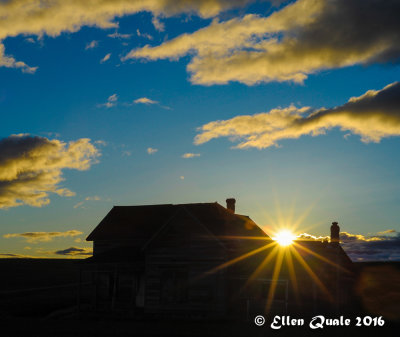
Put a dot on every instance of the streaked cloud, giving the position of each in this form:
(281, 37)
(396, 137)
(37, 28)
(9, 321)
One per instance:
(105, 58)
(34, 237)
(144, 35)
(373, 116)
(15, 256)
(111, 101)
(301, 39)
(148, 101)
(382, 246)
(151, 150)
(389, 231)
(100, 142)
(31, 167)
(75, 251)
(371, 248)
(10, 62)
(144, 100)
(306, 236)
(92, 44)
(117, 35)
(33, 17)
(190, 155)
(81, 203)
(158, 25)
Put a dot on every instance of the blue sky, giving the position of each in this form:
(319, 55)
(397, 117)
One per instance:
(60, 94)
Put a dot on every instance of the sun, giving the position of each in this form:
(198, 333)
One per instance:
(284, 238)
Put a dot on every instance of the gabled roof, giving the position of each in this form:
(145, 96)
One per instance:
(141, 223)
(317, 252)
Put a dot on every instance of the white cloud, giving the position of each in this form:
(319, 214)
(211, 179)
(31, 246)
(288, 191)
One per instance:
(144, 100)
(80, 204)
(34, 237)
(144, 35)
(190, 155)
(100, 142)
(35, 17)
(31, 167)
(10, 62)
(117, 35)
(111, 101)
(105, 58)
(304, 37)
(150, 150)
(158, 25)
(92, 45)
(373, 116)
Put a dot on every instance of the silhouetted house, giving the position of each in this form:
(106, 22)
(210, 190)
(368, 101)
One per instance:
(203, 259)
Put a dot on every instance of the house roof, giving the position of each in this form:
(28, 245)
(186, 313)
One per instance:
(141, 223)
(301, 258)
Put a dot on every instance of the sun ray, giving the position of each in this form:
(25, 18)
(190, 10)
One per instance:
(320, 257)
(237, 259)
(303, 216)
(292, 274)
(268, 258)
(311, 273)
(244, 237)
(275, 275)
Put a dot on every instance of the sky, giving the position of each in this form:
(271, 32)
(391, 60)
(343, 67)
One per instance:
(291, 107)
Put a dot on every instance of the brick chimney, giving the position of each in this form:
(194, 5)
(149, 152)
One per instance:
(335, 229)
(230, 204)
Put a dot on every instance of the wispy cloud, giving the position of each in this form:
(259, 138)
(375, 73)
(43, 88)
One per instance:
(190, 155)
(10, 62)
(383, 246)
(148, 101)
(144, 100)
(34, 237)
(31, 167)
(80, 204)
(151, 150)
(388, 231)
(75, 251)
(111, 101)
(306, 236)
(92, 45)
(15, 256)
(373, 116)
(144, 35)
(371, 248)
(30, 40)
(117, 35)
(304, 37)
(31, 17)
(158, 25)
(105, 58)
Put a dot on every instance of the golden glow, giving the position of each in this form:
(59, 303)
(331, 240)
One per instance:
(284, 238)
(282, 258)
